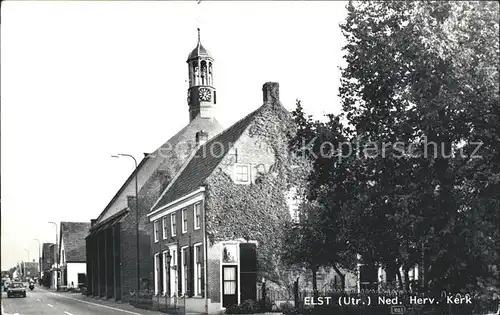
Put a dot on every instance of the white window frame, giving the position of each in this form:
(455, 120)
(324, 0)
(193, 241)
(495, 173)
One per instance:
(183, 279)
(156, 272)
(156, 227)
(174, 283)
(164, 227)
(197, 276)
(197, 216)
(173, 224)
(236, 178)
(184, 220)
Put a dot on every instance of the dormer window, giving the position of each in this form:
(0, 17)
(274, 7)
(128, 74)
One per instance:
(242, 173)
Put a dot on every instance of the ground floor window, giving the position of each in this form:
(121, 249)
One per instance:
(198, 261)
(157, 272)
(184, 270)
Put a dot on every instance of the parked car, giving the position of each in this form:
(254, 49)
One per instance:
(16, 288)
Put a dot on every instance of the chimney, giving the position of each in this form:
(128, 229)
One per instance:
(92, 222)
(201, 137)
(271, 92)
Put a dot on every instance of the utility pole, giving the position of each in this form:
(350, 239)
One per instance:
(39, 259)
(136, 218)
(56, 260)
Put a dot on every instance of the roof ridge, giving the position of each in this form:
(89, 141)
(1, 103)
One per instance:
(220, 134)
(195, 153)
(124, 185)
(238, 128)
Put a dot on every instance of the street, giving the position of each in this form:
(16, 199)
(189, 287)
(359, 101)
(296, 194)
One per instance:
(43, 302)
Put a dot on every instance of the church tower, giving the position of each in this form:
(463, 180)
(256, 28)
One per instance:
(201, 96)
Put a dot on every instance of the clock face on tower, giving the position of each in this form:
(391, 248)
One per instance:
(205, 94)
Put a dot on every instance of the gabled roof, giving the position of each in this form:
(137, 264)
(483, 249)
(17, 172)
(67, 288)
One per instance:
(166, 159)
(73, 240)
(125, 184)
(208, 156)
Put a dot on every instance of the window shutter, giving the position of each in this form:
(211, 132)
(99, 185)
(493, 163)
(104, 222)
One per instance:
(190, 272)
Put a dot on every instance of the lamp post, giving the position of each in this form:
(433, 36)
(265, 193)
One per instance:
(136, 217)
(167, 296)
(25, 271)
(39, 259)
(55, 258)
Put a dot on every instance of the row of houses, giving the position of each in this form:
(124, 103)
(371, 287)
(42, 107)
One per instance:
(170, 229)
(63, 264)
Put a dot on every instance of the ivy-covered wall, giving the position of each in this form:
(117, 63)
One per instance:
(256, 211)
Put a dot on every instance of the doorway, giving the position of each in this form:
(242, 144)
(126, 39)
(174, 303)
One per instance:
(229, 285)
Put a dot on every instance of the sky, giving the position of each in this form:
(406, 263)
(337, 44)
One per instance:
(81, 81)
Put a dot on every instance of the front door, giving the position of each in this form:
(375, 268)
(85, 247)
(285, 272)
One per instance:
(81, 280)
(229, 285)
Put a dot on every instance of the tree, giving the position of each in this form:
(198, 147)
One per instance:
(317, 240)
(424, 75)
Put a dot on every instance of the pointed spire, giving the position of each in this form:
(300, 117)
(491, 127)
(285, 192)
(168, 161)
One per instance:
(199, 50)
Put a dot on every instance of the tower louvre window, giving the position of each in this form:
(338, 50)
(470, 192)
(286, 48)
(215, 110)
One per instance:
(203, 72)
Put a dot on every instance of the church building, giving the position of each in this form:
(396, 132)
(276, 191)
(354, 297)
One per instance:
(192, 266)
(118, 247)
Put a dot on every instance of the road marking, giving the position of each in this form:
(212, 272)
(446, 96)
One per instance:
(68, 313)
(105, 306)
(50, 305)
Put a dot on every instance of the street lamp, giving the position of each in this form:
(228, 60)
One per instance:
(56, 260)
(24, 270)
(39, 259)
(136, 216)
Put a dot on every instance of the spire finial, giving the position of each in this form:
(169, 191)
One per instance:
(199, 40)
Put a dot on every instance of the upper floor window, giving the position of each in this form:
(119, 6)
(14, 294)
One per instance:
(172, 224)
(242, 173)
(184, 220)
(197, 216)
(156, 231)
(164, 226)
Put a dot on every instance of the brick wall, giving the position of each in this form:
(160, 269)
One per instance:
(190, 237)
(128, 240)
(47, 256)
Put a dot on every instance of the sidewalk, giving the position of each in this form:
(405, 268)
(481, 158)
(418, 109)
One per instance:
(125, 307)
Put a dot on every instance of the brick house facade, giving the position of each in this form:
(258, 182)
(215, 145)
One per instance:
(211, 275)
(111, 244)
(47, 256)
(72, 260)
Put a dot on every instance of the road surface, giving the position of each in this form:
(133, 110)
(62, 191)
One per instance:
(43, 302)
